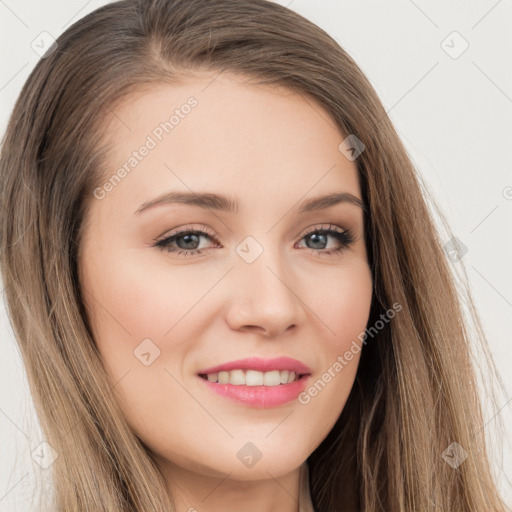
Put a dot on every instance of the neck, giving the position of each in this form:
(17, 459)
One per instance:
(194, 491)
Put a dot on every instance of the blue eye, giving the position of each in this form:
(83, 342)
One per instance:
(345, 237)
(188, 240)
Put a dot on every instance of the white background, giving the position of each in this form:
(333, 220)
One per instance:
(453, 114)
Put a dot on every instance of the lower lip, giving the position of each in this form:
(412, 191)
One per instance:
(262, 397)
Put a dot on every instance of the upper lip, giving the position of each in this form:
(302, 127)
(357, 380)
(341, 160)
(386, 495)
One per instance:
(262, 365)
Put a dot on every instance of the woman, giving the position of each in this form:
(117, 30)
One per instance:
(255, 370)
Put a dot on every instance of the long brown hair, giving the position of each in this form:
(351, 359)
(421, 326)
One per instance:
(416, 389)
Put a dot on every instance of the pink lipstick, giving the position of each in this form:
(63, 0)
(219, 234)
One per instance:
(256, 382)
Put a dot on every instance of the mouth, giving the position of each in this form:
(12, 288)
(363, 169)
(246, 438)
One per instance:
(257, 382)
(260, 390)
(240, 377)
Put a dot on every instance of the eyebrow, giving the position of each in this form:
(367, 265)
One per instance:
(227, 204)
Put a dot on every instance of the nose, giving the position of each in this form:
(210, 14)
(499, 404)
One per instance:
(265, 298)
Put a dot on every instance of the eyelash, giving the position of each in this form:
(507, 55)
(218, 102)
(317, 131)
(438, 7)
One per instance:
(344, 236)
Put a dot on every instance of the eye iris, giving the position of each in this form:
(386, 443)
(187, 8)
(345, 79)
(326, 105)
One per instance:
(194, 237)
(315, 237)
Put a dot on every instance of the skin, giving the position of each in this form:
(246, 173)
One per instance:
(270, 148)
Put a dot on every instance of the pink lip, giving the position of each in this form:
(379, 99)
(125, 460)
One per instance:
(260, 396)
(261, 365)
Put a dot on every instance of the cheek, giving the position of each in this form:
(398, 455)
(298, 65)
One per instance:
(343, 311)
(343, 306)
(131, 299)
(141, 313)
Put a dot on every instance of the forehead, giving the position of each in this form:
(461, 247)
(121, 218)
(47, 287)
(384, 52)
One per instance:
(216, 133)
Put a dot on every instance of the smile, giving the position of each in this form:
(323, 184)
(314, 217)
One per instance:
(257, 395)
(252, 377)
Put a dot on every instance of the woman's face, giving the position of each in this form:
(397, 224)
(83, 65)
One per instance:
(261, 281)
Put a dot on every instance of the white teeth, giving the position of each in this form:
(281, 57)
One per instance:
(271, 378)
(253, 377)
(236, 377)
(223, 377)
